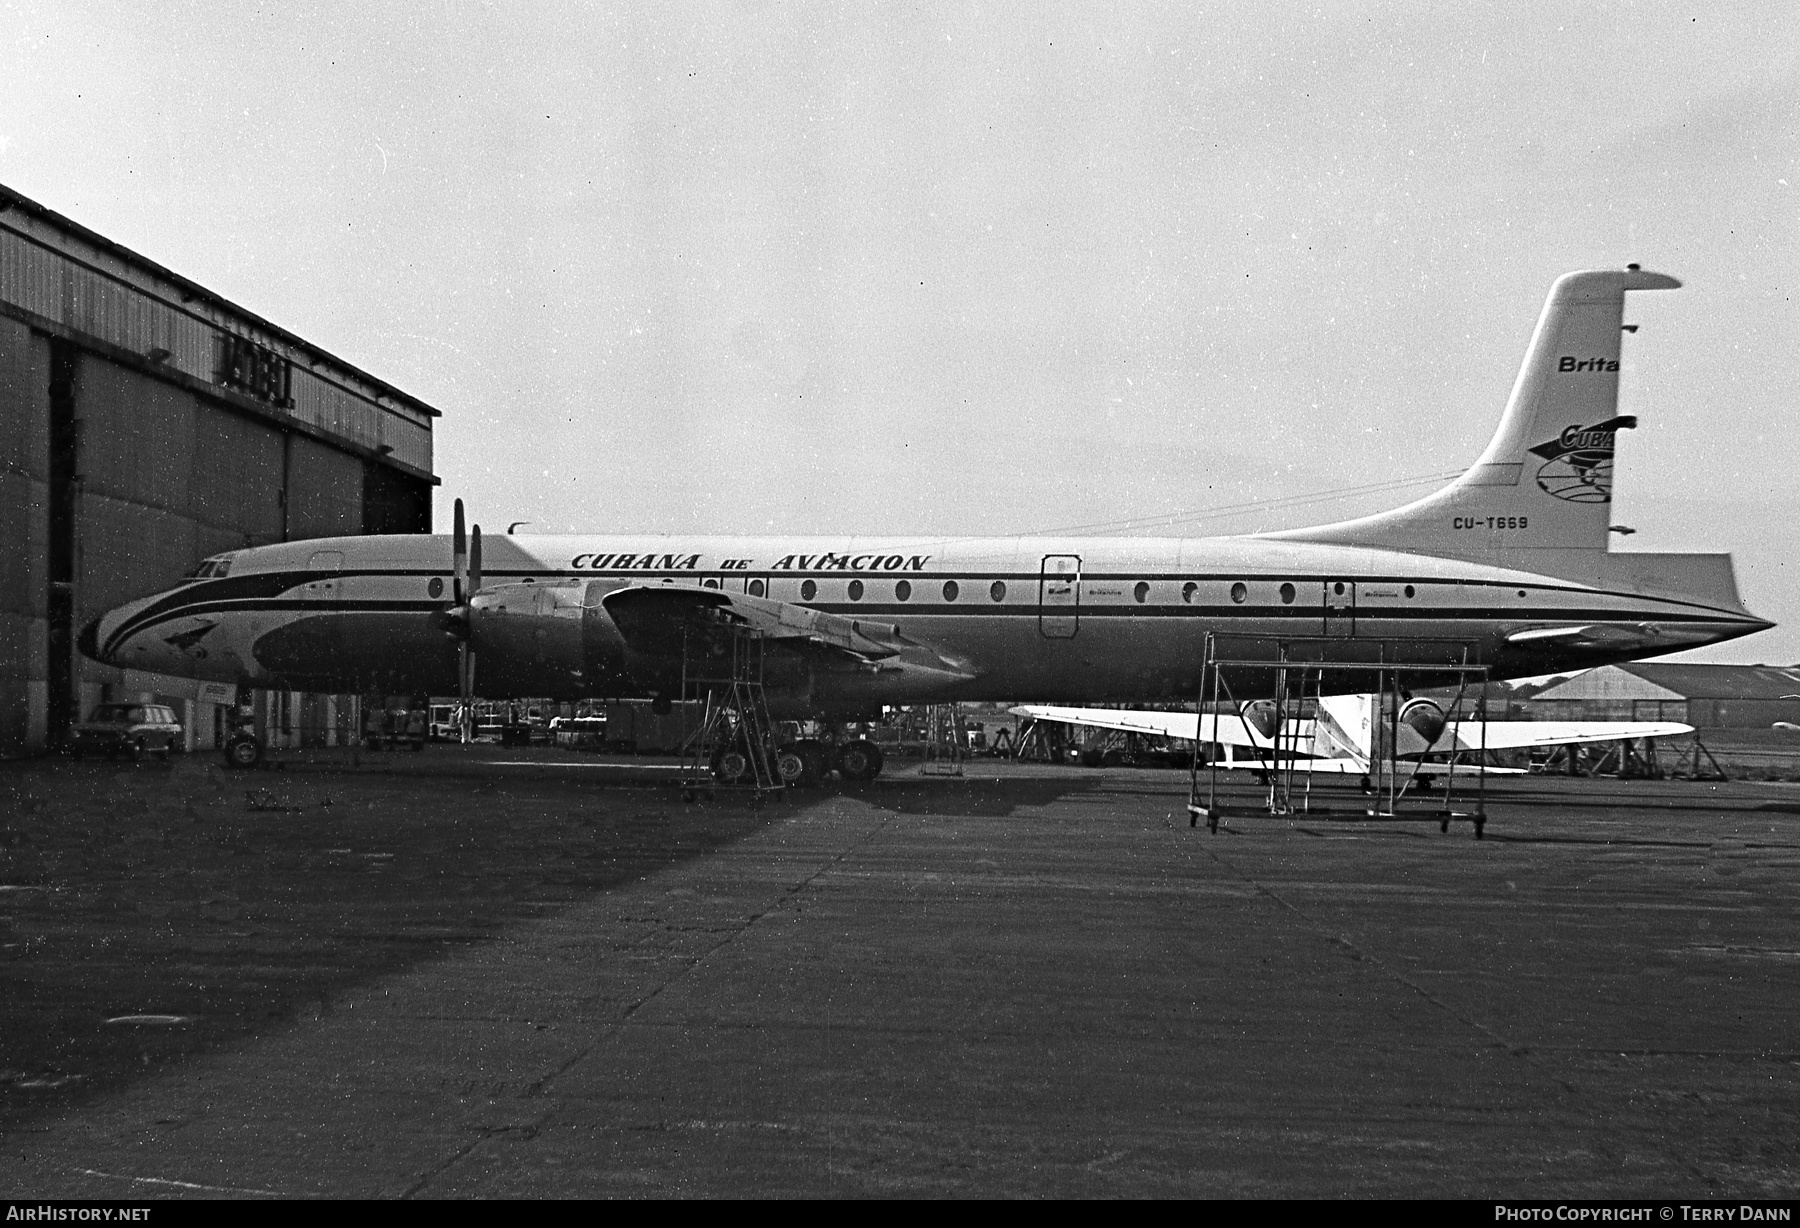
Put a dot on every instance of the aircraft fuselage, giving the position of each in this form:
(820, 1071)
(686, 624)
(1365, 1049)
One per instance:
(1052, 619)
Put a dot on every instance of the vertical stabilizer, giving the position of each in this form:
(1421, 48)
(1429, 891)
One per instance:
(1344, 728)
(1545, 481)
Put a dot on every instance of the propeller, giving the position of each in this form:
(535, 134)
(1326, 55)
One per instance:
(466, 563)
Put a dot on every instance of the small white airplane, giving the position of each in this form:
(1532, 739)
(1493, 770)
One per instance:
(1507, 568)
(1350, 734)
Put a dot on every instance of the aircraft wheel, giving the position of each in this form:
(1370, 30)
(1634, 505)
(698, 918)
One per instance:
(243, 752)
(793, 767)
(859, 760)
(731, 764)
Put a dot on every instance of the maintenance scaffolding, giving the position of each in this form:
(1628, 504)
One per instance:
(946, 741)
(1289, 763)
(732, 747)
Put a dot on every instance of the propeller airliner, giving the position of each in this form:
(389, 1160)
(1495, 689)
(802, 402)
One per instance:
(1508, 566)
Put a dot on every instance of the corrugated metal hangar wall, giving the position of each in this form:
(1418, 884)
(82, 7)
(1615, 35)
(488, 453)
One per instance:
(146, 423)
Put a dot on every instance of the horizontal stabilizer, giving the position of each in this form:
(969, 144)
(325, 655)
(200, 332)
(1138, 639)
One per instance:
(1593, 636)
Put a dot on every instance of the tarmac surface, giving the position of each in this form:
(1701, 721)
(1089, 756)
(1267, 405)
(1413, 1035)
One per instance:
(447, 975)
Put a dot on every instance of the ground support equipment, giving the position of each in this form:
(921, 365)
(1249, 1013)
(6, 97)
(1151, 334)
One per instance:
(733, 747)
(1299, 666)
(946, 741)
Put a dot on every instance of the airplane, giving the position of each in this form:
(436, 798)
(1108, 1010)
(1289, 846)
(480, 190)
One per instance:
(1351, 734)
(1508, 566)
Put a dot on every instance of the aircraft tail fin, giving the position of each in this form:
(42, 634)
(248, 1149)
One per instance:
(1545, 481)
(1344, 728)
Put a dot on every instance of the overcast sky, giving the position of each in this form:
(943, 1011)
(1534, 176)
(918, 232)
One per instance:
(755, 266)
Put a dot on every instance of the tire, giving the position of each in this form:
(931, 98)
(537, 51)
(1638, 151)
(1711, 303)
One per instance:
(243, 753)
(792, 767)
(859, 760)
(731, 765)
(1113, 758)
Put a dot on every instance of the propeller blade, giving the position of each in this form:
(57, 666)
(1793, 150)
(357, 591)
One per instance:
(471, 562)
(459, 553)
(465, 678)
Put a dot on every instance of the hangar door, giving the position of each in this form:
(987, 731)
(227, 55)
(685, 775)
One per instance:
(1059, 596)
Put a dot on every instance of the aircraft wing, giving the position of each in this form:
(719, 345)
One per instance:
(660, 619)
(1228, 730)
(1347, 747)
(1514, 735)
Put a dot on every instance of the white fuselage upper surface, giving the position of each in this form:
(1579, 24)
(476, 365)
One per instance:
(1088, 619)
(1506, 569)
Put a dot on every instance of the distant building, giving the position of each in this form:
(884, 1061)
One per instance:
(1704, 696)
(146, 423)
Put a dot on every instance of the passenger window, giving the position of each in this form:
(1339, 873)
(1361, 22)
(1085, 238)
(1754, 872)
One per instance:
(1141, 592)
(1287, 594)
(1187, 592)
(997, 590)
(808, 591)
(756, 588)
(1239, 592)
(950, 590)
(856, 590)
(903, 591)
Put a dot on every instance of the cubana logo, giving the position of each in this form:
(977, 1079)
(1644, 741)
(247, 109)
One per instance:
(1578, 463)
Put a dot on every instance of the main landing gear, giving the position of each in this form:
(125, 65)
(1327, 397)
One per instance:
(243, 750)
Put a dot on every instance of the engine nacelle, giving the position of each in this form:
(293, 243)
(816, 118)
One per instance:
(1424, 718)
(1262, 716)
(552, 639)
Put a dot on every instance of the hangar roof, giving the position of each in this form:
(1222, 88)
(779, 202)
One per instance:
(62, 278)
(1657, 680)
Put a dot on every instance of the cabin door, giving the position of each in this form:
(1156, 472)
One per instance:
(1059, 596)
(1340, 609)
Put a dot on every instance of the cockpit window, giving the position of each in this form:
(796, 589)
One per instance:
(213, 568)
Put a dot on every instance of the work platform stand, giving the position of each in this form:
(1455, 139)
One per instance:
(1298, 678)
(946, 741)
(733, 746)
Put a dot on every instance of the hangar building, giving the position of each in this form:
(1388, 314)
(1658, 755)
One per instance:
(1704, 696)
(146, 423)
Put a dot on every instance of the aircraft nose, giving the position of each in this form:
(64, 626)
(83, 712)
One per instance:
(89, 641)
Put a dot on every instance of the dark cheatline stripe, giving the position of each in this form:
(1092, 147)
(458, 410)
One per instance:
(257, 590)
(251, 585)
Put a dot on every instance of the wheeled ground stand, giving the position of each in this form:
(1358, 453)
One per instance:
(733, 748)
(1298, 666)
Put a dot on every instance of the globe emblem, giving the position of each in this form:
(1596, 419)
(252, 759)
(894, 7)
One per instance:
(1579, 477)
